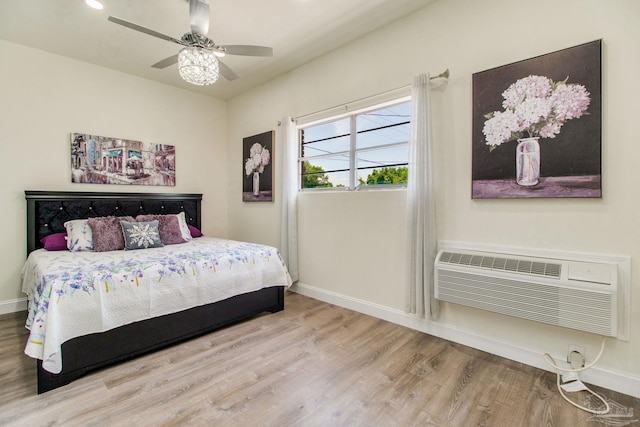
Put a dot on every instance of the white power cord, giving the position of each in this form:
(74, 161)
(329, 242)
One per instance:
(551, 361)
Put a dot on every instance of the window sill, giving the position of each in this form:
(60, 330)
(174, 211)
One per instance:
(355, 190)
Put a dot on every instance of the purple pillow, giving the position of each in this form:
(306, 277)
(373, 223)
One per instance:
(107, 233)
(168, 226)
(55, 242)
(194, 231)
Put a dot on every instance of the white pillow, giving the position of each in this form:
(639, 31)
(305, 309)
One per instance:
(184, 229)
(79, 235)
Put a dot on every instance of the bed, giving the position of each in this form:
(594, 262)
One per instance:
(77, 345)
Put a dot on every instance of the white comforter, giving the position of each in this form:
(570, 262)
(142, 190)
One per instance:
(72, 294)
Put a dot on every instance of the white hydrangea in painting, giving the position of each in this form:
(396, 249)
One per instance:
(535, 106)
(143, 235)
(259, 157)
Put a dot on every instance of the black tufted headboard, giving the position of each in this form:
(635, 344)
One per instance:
(47, 211)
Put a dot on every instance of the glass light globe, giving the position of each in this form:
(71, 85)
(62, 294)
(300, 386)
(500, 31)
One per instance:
(198, 66)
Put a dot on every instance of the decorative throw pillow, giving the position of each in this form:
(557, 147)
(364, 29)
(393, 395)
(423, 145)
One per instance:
(141, 235)
(194, 231)
(107, 233)
(184, 228)
(55, 242)
(168, 227)
(79, 235)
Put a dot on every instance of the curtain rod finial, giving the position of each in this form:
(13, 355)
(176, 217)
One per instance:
(443, 75)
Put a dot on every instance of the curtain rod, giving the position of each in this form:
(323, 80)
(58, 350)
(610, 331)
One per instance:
(443, 75)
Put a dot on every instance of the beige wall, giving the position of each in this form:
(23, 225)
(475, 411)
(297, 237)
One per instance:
(45, 97)
(345, 249)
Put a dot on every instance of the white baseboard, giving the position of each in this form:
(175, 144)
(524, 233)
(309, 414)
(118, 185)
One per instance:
(621, 382)
(11, 306)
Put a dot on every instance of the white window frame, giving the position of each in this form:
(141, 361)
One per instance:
(352, 110)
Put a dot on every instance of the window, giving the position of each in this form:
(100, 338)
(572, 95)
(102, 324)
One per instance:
(366, 149)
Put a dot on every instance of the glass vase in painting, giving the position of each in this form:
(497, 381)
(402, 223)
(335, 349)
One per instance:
(528, 161)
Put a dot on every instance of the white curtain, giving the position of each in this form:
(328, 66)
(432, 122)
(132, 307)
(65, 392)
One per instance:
(421, 215)
(289, 194)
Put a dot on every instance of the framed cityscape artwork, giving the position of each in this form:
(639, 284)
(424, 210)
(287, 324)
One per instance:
(107, 160)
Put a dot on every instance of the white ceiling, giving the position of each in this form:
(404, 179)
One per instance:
(298, 31)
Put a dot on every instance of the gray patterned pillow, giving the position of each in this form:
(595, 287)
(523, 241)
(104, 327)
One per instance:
(168, 226)
(141, 235)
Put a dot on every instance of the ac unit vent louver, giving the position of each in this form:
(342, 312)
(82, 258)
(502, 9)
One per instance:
(570, 294)
(501, 263)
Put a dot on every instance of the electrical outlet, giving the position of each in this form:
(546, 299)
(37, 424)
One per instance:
(574, 360)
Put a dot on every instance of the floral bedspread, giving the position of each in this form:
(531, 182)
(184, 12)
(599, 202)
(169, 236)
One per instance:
(71, 294)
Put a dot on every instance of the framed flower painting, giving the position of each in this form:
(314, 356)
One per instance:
(537, 127)
(257, 168)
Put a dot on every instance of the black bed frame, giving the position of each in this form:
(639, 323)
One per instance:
(47, 211)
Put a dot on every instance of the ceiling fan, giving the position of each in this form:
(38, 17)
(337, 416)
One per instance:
(198, 61)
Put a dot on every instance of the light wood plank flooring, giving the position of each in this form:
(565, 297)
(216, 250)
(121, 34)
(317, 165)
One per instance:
(313, 364)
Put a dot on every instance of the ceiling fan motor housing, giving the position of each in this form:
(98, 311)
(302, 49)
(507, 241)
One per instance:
(198, 40)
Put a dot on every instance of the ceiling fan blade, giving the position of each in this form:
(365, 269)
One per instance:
(143, 30)
(199, 16)
(226, 72)
(166, 62)
(246, 50)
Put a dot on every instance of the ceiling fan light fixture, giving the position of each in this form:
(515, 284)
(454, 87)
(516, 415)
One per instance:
(198, 66)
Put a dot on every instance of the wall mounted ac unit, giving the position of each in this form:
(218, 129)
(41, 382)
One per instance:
(577, 295)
